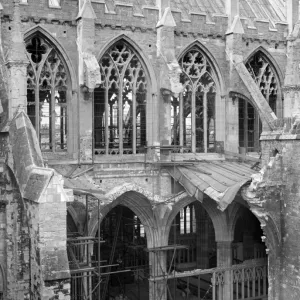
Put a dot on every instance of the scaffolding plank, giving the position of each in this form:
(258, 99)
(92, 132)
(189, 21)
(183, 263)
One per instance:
(166, 248)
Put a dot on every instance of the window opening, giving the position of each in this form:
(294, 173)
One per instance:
(47, 85)
(187, 220)
(54, 3)
(120, 103)
(249, 126)
(265, 78)
(198, 234)
(198, 103)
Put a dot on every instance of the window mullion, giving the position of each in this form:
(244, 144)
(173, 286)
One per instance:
(205, 121)
(246, 125)
(193, 121)
(106, 121)
(37, 111)
(120, 117)
(181, 120)
(52, 118)
(134, 119)
(184, 213)
(191, 219)
(256, 131)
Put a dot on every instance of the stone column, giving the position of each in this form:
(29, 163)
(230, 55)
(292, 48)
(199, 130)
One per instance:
(291, 89)
(157, 288)
(89, 76)
(169, 84)
(16, 63)
(224, 259)
(224, 253)
(232, 124)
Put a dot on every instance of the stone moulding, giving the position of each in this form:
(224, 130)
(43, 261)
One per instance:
(290, 88)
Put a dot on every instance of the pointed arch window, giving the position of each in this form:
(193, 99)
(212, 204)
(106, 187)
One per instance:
(120, 103)
(47, 87)
(193, 114)
(265, 77)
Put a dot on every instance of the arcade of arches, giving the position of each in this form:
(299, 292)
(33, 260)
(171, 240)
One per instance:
(149, 150)
(135, 255)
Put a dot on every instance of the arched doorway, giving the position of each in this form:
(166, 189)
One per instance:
(125, 262)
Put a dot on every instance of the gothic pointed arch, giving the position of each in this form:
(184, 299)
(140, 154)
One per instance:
(218, 77)
(193, 115)
(41, 30)
(267, 75)
(135, 201)
(122, 100)
(139, 52)
(49, 90)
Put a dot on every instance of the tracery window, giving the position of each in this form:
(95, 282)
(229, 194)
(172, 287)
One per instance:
(264, 76)
(249, 123)
(193, 114)
(47, 86)
(120, 103)
(249, 126)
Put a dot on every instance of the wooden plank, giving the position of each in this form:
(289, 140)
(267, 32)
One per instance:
(166, 248)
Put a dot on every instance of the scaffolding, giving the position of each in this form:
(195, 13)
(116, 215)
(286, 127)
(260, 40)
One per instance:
(91, 276)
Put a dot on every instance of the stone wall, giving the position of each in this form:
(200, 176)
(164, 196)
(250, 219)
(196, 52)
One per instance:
(139, 26)
(33, 215)
(273, 198)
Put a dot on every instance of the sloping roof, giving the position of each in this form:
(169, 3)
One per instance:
(273, 10)
(220, 180)
(251, 9)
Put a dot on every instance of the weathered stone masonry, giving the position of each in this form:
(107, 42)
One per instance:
(34, 203)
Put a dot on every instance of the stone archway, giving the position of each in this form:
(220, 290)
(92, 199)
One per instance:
(135, 198)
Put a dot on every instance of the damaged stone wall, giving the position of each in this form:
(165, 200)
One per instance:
(15, 259)
(33, 214)
(274, 198)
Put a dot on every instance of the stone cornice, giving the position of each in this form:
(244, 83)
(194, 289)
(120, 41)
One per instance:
(16, 63)
(290, 88)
